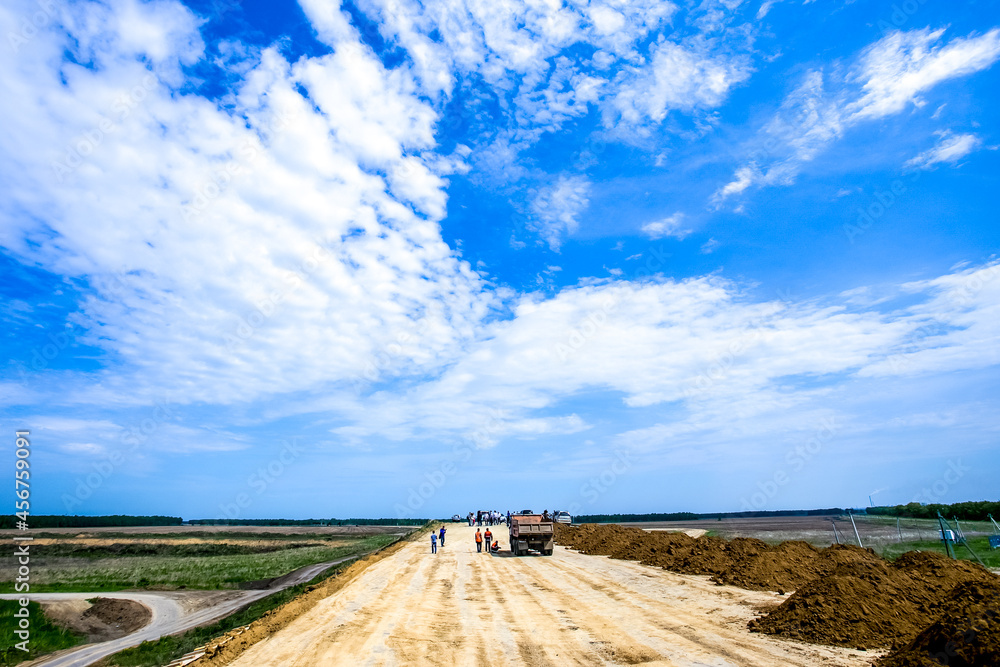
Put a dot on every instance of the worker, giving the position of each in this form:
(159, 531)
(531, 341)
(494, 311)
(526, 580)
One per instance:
(545, 516)
(434, 542)
(479, 540)
(489, 537)
(441, 538)
(495, 548)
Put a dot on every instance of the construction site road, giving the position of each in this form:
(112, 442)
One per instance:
(173, 612)
(460, 607)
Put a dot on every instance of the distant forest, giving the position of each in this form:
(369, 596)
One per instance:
(691, 516)
(59, 521)
(308, 522)
(977, 510)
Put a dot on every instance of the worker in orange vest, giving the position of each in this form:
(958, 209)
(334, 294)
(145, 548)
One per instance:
(479, 540)
(489, 539)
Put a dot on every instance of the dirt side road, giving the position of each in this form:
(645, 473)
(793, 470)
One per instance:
(459, 607)
(172, 612)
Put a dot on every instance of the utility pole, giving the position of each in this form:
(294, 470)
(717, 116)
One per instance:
(944, 536)
(836, 535)
(899, 530)
(856, 533)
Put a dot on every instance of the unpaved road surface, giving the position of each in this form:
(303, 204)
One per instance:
(173, 612)
(460, 607)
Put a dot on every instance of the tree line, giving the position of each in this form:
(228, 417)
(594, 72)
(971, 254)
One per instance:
(976, 510)
(61, 521)
(308, 522)
(692, 516)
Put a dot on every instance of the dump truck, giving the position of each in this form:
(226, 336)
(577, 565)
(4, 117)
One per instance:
(531, 531)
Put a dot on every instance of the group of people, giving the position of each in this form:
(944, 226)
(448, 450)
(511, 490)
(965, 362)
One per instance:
(435, 537)
(492, 546)
(488, 518)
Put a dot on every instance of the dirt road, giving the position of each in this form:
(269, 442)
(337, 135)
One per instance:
(460, 607)
(173, 612)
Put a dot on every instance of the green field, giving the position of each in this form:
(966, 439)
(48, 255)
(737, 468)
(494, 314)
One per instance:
(45, 637)
(990, 557)
(171, 567)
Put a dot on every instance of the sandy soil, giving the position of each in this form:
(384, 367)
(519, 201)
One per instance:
(460, 607)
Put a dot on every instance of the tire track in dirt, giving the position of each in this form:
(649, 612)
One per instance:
(460, 607)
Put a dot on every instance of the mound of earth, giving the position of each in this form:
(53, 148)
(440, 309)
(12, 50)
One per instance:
(100, 619)
(965, 634)
(873, 603)
(744, 562)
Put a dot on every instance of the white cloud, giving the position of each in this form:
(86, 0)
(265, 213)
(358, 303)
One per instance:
(556, 209)
(677, 77)
(950, 148)
(886, 77)
(899, 67)
(285, 242)
(670, 226)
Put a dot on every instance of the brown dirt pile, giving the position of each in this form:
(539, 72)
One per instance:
(100, 619)
(744, 562)
(965, 634)
(872, 604)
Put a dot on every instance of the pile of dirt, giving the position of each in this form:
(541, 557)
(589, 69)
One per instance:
(124, 616)
(965, 634)
(844, 595)
(872, 604)
(100, 619)
(744, 562)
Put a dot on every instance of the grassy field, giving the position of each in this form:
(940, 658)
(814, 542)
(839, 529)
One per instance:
(991, 557)
(45, 637)
(162, 565)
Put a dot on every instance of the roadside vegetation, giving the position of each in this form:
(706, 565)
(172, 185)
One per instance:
(46, 637)
(990, 557)
(66, 566)
(167, 649)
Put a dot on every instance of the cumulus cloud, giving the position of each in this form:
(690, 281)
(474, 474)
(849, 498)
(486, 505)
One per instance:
(669, 226)
(894, 71)
(677, 77)
(885, 77)
(696, 344)
(950, 149)
(283, 242)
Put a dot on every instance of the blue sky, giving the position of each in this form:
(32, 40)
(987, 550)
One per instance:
(402, 259)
